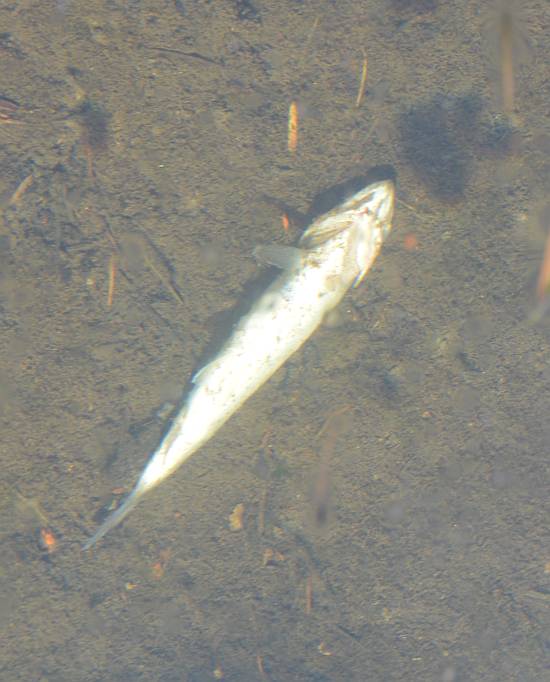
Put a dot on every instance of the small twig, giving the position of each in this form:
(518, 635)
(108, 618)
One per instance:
(193, 55)
(112, 277)
(363, 82)
(21, 189)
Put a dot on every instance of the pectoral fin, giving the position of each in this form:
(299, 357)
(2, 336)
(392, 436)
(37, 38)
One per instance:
(284, 257)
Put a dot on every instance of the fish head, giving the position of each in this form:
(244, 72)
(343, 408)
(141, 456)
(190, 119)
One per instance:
(371, 213)
(362, 222)
(372, 205)
(375, 202)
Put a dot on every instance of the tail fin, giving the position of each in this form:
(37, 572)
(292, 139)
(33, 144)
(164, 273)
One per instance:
(115, 518)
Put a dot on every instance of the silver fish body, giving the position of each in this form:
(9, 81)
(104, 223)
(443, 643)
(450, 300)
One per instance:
(334, 253)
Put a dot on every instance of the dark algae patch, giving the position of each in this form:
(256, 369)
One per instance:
(438, 140)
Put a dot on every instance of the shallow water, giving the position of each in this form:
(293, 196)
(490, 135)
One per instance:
(433, 562)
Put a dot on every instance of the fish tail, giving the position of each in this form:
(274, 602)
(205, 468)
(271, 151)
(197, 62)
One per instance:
(115, 518)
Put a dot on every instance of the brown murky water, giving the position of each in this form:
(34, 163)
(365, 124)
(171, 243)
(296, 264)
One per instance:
(150, 139)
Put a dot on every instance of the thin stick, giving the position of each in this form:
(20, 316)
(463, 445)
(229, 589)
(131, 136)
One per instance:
(363, 82)
(112, 277)
(543, 283)
(21, 189)
(309, 594)
(506, 40)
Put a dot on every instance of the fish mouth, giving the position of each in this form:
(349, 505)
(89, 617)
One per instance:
(387, 201)
(376, 200)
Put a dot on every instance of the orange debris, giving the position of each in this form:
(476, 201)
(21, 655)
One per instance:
(160, 565)
(410, 242)
(286, 223)
(292, 127)
(236, 518)
(48, 540)
(543, 283)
